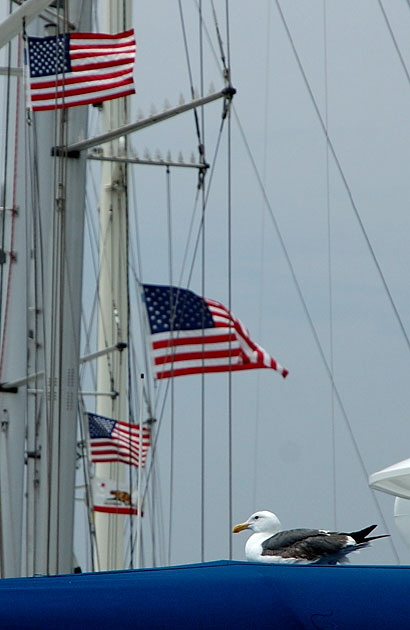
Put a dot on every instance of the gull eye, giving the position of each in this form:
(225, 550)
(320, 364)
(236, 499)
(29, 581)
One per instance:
(256, 518)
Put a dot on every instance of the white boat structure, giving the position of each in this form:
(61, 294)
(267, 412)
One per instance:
(71, 314)
(395, 480)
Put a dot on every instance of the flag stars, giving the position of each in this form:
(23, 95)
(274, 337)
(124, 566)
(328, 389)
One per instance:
(48, 55)
(172, 308)
(101, 427)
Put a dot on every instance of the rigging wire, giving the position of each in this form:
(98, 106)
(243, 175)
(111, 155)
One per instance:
(38, 327)
(57, 306)
(4, 202)
(200, 228)
(132, 391)
(151, 478)
(229, 266)
(203, 281)
(329, 266)
(203, 243)
(226, 69)
(172, 403)
(343, 177)
(2, 272)
(262, 249)
(394, 40)
(201, 149)
(187, 56)
(86, 458)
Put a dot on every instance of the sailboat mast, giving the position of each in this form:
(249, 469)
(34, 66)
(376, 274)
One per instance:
(113, 290)
(45, 409)
(51, 521)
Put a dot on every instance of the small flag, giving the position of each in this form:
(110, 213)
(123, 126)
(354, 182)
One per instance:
(115, 441)
(113, 498)
(191, 335)
(80, 68)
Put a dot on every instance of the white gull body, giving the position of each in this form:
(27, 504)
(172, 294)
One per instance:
(270, 544)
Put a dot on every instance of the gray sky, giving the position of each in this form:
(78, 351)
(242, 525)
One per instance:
(284, 458)
(293, 451)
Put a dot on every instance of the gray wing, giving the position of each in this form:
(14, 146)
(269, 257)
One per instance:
(307, 544)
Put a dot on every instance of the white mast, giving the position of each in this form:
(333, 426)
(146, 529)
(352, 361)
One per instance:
(50, 323)
(113, 324)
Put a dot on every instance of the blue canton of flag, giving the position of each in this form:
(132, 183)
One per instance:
(116, 441)
(171, 308)
(100, 427)
(49, 55)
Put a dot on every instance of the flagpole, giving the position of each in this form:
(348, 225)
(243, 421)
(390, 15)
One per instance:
(139, 478)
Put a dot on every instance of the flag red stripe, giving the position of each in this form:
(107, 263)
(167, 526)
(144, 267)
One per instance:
(77, 91)
(209, 369)
(107, 509)
(213, 369)
(102, 36)
(96, 99)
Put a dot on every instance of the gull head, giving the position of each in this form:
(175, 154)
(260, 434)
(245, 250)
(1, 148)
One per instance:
(262, 521)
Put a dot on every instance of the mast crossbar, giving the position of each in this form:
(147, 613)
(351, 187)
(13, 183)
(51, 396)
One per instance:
(226, 93)
(135, 160)
(11, 26)
(12, 386)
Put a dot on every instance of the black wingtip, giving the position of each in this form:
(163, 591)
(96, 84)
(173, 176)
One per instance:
(361, 535)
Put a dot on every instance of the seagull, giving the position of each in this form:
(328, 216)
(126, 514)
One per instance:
(269, 543)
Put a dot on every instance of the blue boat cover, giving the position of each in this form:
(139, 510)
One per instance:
(217, 595)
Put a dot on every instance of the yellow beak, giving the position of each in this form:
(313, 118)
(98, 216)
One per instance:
(240, 527)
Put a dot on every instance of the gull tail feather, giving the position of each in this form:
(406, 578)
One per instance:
(361, 536)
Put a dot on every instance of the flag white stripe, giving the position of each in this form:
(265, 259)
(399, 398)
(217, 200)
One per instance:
(100, 41)
(76, 64)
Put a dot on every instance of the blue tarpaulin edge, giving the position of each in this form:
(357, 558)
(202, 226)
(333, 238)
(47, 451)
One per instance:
(218, 595)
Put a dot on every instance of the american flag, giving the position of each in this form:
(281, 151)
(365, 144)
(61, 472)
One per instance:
(191, 335)
(115, 441)
(80, 68)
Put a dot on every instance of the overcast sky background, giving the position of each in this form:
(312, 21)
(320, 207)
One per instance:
(284, 455)
(295, 451)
